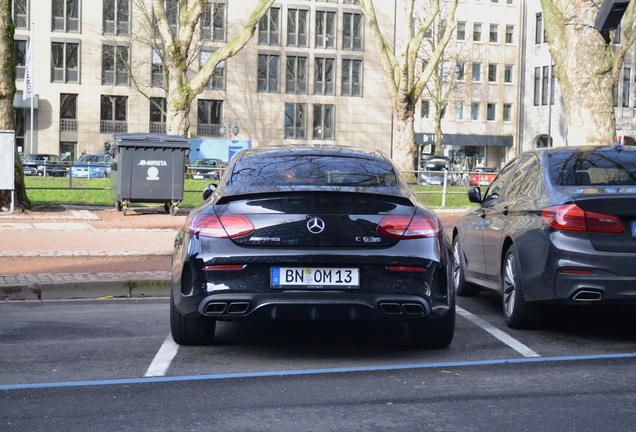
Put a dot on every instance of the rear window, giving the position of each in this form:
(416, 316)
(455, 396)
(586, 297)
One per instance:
(598, 167)
(314, 171)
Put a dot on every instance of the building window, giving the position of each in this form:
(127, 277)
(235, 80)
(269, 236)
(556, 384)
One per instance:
(507, 112)
(425, 109)
(115, 66)
(351, 2)
(544, 85)
(626, 73)
(20, 47)
(490, 111)
(113, 114)
(494, 33)
(474, 111)
(213, 21)
(537, 86)
(296, 76)
(295, 121)
(351, 77)
(510, 32)
(325, 29)
(217, 80)
(116, 17)
(158, 109)
(477, 32)
(65, 62)
(269, 27)
(324, 75)
(461, 31)
(66, 15)
(492, 72)
(459, 71)
(68, 113)
(297, 27)
(352, 34)
(21, 14)
(209, 115)
(157, 75)
(538, 28)
(459, 111)
(508, 74)
(323, 122)
(476, 75)
(268, 72)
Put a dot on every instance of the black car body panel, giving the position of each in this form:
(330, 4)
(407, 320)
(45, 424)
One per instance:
(321, 245)
(529, 204)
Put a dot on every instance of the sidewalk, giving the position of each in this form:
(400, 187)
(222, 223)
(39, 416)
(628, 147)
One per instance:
(82, 232)
(75, 233)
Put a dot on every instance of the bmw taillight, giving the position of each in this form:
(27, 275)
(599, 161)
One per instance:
(571, 217)
(405, 227)
(223, 226)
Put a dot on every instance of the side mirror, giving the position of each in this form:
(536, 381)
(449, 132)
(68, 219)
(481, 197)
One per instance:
(208, 191)
(474, 194)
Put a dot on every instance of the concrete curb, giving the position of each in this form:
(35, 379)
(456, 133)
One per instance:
(88, 289)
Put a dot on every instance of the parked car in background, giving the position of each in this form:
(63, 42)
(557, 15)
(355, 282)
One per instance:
(556, 226)
(433, 170)
(91, 166)
(44, 165)
(482, 176)
(207, 168)
(314, 233)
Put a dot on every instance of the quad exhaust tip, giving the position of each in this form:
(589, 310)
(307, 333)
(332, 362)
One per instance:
(227, 308)
(402, 308)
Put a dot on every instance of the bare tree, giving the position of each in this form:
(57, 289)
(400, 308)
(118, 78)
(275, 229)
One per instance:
(587, 66)
(7, 90)
(444, 85)
(178, 47)
(404, 76)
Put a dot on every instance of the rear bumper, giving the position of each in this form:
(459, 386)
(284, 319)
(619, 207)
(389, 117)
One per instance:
(322, 306)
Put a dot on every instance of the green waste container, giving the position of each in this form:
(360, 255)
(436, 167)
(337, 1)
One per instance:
(148, 168)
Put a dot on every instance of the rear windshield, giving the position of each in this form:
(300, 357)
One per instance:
(599, 167)
(315, 171)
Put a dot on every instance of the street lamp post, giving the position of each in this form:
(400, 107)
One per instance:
(230, 126)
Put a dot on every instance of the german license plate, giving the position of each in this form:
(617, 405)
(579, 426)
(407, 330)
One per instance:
(312, 277)
(634, 228)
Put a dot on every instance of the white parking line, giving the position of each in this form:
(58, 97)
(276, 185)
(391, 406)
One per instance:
(502, 336)
(164, 357)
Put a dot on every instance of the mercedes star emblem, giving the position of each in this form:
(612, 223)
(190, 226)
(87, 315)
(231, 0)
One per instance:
(315, 225)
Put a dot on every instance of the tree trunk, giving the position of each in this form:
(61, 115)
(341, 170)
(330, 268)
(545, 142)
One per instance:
(584, 71)
(584, 62)
(405, 150)
(7, 90)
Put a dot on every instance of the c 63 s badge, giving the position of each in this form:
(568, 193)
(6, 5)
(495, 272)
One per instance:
(368, 239)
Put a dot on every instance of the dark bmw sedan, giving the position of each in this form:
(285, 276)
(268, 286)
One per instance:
(312, 233)
(556, 226)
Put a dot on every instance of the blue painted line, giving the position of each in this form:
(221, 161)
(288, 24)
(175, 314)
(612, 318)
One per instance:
(284, 373)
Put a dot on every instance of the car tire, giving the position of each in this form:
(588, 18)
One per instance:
(433, 333)
(190, 330)
(518, 313)
(462, 287)
(118, 206)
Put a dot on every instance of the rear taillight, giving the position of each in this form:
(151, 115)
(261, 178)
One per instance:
(570, 217)
(223, 226)
(405, 227)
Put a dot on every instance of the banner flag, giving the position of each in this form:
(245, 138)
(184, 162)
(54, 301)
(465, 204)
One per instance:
(29, 90)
